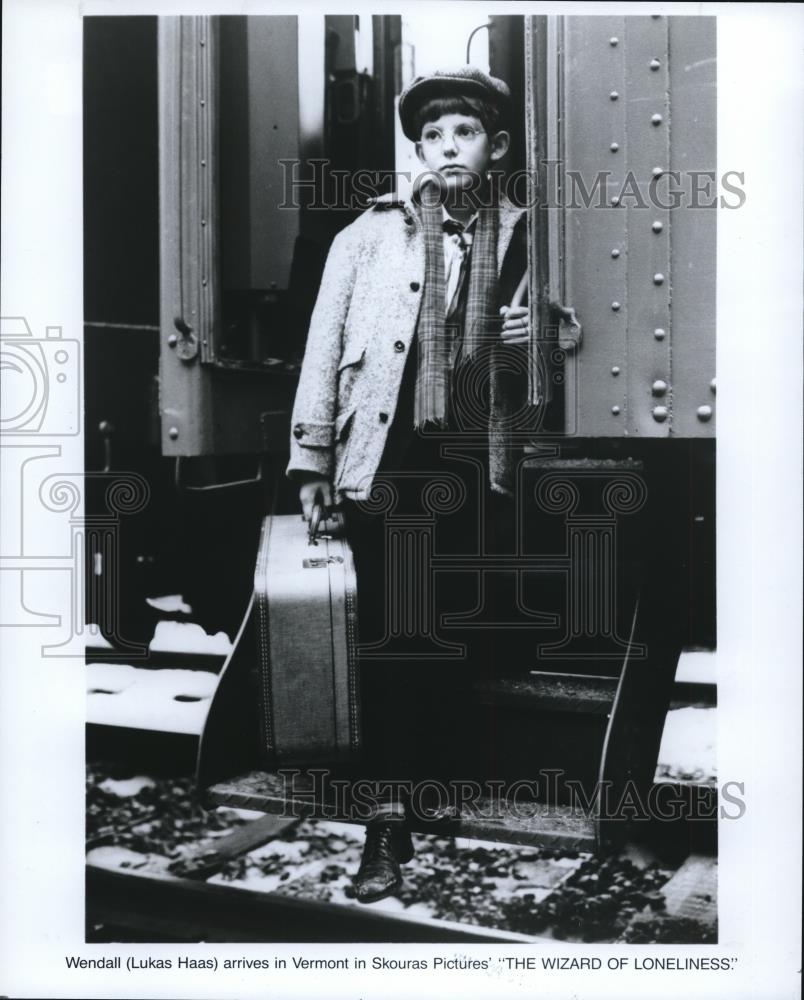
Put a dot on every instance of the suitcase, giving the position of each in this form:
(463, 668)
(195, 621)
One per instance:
(305, 606)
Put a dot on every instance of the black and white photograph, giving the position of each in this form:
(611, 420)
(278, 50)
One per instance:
(397, 610)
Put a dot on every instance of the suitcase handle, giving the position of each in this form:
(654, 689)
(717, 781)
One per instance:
(322, 521)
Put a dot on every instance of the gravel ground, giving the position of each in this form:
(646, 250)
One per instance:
(142, 823)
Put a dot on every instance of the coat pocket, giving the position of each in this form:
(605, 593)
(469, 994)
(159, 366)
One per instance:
(349, 372)
(352, 357)
(343, 422)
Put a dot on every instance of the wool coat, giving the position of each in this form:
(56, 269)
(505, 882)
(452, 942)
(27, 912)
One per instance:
(360, 334)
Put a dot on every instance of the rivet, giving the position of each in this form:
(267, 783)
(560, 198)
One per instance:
(659, 333)
(615, 410)
(656, 119)
(172, 340)
(657, 171)
(613, 41)
(615, 201)
(203, 281)
(613, 95)
(203, 41)
(173, 433)
(615, 253)
(657, 226)
(203, 103)
(713, 385)
(655, 64)
(203, 222)
(615, 306)
(614, 147)
(704, 413)
(658, 279)
(659, 387)
(615, 370)
(203, 163)
(660, 414)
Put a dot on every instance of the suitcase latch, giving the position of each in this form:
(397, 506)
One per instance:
(321, 561)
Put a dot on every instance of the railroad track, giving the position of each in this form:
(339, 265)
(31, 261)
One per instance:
(167, 908)
(160, 907)
(142, 896)
(182, 905)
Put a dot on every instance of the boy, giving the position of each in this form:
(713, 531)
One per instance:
(398, 339)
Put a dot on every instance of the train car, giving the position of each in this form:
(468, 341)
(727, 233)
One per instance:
(220, 156)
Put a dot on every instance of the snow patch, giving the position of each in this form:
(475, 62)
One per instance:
(169, 604)
(689, 745)
(170, 701)
(187, 637)
(127, 787)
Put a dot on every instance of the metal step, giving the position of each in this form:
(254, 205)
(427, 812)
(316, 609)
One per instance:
(157, 659)
(483, 818)
(554, 692)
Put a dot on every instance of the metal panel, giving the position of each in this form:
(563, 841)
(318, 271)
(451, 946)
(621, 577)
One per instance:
(341, 42)
(221, 398)
(623, 111)
(539, 136)
(693, 82)
(595, 256)
(188, 302)
(646, 147)
(259, 64)
(204, 411)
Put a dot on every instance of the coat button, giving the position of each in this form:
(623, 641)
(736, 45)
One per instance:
(298, 432)
(415, 286)
(383, 418)
(399, 347)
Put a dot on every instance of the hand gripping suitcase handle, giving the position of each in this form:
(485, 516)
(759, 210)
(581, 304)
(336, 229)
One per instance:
(322, 521)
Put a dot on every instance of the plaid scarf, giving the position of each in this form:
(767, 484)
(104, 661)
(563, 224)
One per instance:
(443, 345)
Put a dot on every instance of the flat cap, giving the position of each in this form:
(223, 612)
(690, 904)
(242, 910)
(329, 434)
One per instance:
(466, 81)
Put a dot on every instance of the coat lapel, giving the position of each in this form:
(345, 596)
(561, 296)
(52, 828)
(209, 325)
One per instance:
(510, 214)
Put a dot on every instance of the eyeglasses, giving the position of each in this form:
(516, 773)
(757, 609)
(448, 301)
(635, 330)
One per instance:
(464, 135)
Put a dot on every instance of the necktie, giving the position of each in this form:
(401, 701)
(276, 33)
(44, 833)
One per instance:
(459, 242)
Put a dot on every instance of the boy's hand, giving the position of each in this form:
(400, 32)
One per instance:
(516, 324)
(308, 491)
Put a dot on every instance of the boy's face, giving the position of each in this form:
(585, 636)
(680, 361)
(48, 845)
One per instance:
(457, 147)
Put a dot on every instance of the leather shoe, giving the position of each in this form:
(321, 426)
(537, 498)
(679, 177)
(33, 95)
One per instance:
(387, 846)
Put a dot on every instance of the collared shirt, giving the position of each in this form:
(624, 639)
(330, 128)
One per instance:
(457, 247)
